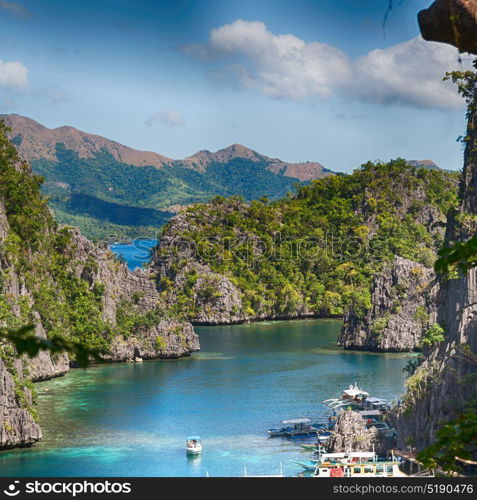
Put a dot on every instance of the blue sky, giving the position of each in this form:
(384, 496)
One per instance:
(300, 80)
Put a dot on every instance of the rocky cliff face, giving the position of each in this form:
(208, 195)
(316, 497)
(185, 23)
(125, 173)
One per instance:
(124, 293)
(350, 434)
(18, 426)
(209, 298)
(446, 382)
(63, 284)
(403, 308)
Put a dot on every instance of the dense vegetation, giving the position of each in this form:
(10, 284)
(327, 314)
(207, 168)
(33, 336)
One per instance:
(41, 255)
(316, 252)
(102, 195)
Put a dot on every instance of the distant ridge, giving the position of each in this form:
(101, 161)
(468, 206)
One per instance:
(35, 141)
(107, 188)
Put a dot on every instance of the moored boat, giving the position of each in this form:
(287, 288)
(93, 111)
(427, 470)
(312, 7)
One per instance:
(356, 464)
(294, 427)
(353, 398)
(369, 469)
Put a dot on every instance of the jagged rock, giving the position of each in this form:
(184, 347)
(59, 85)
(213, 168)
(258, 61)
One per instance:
(446, 382)
(17, 427)
(168, 339)
(95, 265)
(214, 298)
(451, 21)
(403, 307)
(350, 434)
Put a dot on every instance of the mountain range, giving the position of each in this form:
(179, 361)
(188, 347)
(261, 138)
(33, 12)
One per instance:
(110, 190)
(107, 188)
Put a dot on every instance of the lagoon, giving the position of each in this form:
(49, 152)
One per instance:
(132, 419)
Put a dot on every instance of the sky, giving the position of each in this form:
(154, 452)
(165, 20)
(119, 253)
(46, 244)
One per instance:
(301, 80)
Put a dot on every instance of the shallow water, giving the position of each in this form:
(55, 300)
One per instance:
(132, 419)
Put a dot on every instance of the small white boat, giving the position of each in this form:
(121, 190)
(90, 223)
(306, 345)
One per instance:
(193, 445)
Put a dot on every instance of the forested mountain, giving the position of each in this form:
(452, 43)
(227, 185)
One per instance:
(106, 188)
(314, 253)
(70, 290)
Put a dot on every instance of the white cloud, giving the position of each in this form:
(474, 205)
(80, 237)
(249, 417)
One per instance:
(409, 73)
(13, 75)
(286, 66)
(168, 117)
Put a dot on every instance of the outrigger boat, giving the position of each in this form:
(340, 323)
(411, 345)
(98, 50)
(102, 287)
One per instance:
(356, 464)
(294, 427)
(369, 469)
(353, 398)
(322, 438)
(193, 445)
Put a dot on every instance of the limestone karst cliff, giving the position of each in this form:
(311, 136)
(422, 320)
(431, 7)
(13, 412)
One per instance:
(446, 382)
(403, 308)
(55, 279)
(324, 252)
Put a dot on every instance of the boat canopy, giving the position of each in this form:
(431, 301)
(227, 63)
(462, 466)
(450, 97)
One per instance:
(296, 421)
(362, 454)
(370, 413)
(193, 438)
(355, 392)
(377, 401)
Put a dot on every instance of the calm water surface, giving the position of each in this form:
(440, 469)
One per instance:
(137, 253)
(132, 419)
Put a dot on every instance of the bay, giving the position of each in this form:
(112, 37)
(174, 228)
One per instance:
(132, 419)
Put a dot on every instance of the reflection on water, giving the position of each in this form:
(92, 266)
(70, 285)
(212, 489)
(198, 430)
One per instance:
(132, 419)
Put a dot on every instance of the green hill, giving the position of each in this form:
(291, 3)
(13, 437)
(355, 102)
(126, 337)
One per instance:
(106, 188)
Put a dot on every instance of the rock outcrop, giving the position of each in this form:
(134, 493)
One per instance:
(350, 434)
(17, 426)
(446, 382)
(57, 280)
(403, 308)
(167, 339)
(451, 21)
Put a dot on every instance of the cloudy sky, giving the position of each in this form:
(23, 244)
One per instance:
(300, 80)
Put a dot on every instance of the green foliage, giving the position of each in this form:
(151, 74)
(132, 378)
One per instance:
(131, 320)
(379, 325)
(456, 439)
(317, 252)
(103, 196)
(43, 257)
(421, 315)
(412, 365)
(26, 342)
(433, 335)
(161, 343)
(463, 255)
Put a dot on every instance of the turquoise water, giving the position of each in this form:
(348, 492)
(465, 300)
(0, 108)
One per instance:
(136, 254)
(132, 419)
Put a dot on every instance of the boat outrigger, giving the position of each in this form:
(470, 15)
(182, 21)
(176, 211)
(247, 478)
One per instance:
(294, 427)
(193, 445)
